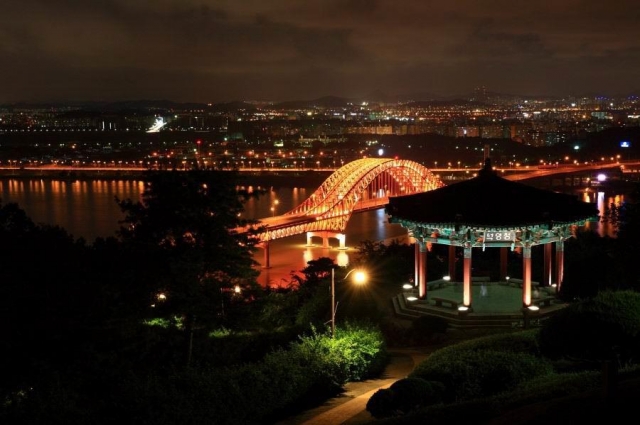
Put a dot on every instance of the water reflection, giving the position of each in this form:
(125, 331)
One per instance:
(603, 203)
(84, 208)
(88, 209)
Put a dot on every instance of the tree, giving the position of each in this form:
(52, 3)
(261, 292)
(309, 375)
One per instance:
(589, 266)
(391, 262)
(46, 302)
(187, 229)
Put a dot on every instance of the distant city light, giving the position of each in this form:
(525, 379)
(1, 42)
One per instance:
(601, 177)
(380, 152)
(157, 125)
(625, 144)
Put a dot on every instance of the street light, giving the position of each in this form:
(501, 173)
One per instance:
(360, 278)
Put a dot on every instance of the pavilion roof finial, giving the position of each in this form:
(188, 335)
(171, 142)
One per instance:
(487, 169)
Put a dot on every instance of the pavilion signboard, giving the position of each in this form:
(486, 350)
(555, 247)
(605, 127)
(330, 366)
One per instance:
(500, 236)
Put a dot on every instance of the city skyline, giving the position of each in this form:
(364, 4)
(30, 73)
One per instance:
(223, 51)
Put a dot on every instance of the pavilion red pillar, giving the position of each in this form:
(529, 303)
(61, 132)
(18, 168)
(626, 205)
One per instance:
(546, 281)
(466, 289)
(422, 291)
(452, 263)
(416, 264)
(559, 264)
(504, 255)
(526, 278)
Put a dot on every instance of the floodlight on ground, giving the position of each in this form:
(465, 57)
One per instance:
(407, 286)
(463, 310)
(447, 278)
(412, 298)
(529, 312)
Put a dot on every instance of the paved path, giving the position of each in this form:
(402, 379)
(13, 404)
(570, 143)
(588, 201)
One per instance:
(350, 407)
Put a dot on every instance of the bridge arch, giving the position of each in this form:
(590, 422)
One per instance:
(357, 186)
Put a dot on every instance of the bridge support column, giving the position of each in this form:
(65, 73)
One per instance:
(342, 239)
(266, 262)
(325, 235)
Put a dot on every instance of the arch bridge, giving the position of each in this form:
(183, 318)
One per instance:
(360, 185)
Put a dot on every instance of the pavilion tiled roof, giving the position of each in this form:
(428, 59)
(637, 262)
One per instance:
(490, 201)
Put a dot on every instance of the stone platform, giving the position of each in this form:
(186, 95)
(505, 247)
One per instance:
(493, 304)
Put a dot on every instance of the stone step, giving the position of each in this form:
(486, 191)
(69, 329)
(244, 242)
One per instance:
(408, 310)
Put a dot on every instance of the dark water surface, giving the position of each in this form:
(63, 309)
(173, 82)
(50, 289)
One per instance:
(87, 208)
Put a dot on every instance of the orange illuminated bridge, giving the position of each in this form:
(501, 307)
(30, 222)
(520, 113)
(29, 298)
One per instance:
(360, 185)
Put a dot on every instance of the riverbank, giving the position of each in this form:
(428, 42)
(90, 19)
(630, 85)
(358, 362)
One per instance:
(302, 178)
(66, 174)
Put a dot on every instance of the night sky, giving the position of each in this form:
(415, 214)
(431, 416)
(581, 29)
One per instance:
(227, 50)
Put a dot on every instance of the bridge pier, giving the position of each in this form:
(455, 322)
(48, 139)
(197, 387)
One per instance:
(266, 262)
(325, 235)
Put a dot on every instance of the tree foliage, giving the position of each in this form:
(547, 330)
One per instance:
(388, 262)
(188, 229)
(46, 301)
(595, 329)
(589, 266)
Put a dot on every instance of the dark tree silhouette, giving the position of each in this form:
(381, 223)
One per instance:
(46, 305)
(185, 228)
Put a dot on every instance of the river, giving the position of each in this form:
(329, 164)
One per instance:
(87, 209)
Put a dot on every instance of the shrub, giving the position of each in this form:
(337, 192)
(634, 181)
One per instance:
(314, 309)
(285, 379)
(424, 328)
(363, 346)
(323, 361)
(525, 341)
(413, 393)
(595, 329)
(381, 404)
(357, 352)
(228, 348)
(404, 396)
(471, 374)
(395, 335)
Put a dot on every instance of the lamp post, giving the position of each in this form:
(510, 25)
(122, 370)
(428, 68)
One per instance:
(360, 278)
